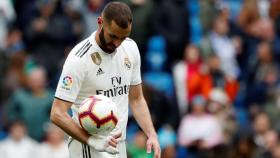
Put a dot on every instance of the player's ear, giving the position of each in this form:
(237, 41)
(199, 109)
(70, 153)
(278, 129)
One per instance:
(100, 22)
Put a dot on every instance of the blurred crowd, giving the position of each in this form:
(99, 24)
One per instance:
(210, 71)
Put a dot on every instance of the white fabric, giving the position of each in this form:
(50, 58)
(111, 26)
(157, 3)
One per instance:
(25, 148)
(205, 128)
(263, 7)
(82, 77)
(79, 150)
(224, 48)
(179, 73)
(7, 14)
(47, 151)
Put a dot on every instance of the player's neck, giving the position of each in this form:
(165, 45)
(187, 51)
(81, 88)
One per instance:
(97, 39)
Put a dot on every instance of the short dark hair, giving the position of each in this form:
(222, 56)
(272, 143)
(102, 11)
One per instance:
(119, 12)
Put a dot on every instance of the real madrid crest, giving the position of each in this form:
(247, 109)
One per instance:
(127, 63)
(96, 58)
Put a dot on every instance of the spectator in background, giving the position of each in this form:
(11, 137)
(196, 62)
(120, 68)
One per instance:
(72, 10)
(243, 147)
(253, 19)
(7, 17)
(198, 129)
(18, 144)
(276, 151)
(192, 77)
(12, 63)
(264, 75)
(248, 22)
(264, 7)
(270, 36)
(16, 57)
(261, 126)
(189, 75)
(207, 14)
(220, 80)
(219, 105)
(249, 14)
(48, 34)
(3, 70)
(32, 105)
(272, 107)
(275, 14)
(91, 9)
(229, 11)
(171, 20)
(55, 145)
(219, 43)
(271, 140)
(269, 33)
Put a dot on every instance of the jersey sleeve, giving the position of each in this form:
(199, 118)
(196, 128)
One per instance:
(136, 69)
(71, 79)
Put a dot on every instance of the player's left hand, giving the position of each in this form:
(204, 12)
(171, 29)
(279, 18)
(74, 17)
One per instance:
(152, 143)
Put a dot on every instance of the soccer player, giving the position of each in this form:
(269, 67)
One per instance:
(105, 63)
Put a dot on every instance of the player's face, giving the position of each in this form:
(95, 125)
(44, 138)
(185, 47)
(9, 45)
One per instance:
(111, 36)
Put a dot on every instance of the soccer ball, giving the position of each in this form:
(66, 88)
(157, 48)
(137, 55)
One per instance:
(98, 115)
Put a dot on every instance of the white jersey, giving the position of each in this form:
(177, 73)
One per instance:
(88, 70)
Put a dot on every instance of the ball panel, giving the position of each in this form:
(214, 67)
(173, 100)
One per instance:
(101, 109)
(85, 106)
(98, 114)
(88, 124)
(107, 127)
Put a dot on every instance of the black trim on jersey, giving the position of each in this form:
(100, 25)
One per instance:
(88, 151)
(85, 51)
(83, 150)
(82, 51)
(70, 141)
(82, 47)
(63, 99)
(87, 45)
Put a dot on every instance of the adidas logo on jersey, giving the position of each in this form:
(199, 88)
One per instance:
(99, 72)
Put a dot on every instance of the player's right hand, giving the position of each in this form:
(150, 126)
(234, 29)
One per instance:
(105, 143)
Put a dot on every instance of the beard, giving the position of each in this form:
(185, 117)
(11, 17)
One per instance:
(105, 46)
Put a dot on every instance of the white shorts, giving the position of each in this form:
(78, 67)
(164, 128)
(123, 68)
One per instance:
(80, 150)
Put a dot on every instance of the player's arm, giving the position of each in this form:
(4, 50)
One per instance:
(140, 110)
(141, 113)
(60, 117)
